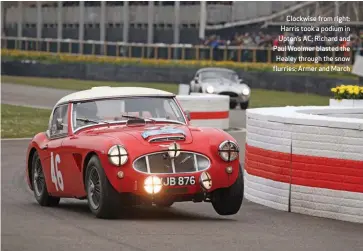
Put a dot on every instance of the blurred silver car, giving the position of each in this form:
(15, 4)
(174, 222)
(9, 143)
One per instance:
(224, 82)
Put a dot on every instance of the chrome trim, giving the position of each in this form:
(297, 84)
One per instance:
(173, 164)
(186, 121)
(221, 146)
(195, 163)
(146, 156)
(147, 164)
(168, 138)
(228, 141)
(119, 155)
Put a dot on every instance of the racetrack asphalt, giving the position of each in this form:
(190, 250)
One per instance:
(191, 226)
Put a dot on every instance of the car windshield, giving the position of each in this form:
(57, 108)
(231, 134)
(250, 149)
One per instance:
(218, 74)
(113, 110)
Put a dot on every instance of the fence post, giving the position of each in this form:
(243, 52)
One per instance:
(39, 25)
(102, 28)
(150, 26)
(81, 26)
(126, 21)
(59, 25)
(176, 27)
(20, 25)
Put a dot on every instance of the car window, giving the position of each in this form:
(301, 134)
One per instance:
(59, 113)
(111, 110)
(218, 74)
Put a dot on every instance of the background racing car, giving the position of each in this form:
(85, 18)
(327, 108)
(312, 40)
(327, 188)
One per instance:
(124, 146)
(224, 82)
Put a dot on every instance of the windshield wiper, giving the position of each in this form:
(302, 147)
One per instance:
(87, 120)
(91, 121)
(135, 117)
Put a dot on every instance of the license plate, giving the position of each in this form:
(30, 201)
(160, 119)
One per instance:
(179, 181)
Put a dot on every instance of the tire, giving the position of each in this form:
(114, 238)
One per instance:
(108, 204)
(228, 201)
(244, 105)
(232, 105)
(164, 204)
(39, 185)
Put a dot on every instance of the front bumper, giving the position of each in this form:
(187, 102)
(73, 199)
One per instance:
(239, 99)
(175, 184)
(234, 96)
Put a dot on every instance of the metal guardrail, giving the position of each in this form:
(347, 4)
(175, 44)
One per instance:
(162, 51)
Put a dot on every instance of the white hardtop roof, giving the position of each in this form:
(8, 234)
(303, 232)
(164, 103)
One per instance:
(101, 92)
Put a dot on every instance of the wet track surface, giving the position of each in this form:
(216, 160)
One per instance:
(185, 226)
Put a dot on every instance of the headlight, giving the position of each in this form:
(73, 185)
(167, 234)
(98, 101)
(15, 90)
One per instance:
(117, 155)
(228, 150)
(246, 91)
(153, 184)
(205, 180)
(210, 89)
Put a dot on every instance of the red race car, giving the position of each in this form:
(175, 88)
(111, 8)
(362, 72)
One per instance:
(125, 146)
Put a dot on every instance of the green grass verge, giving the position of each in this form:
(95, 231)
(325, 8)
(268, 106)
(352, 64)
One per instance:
(75, 84)
(22, 122)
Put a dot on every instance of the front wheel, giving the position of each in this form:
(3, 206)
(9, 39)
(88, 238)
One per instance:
(232, 105)
(228, 201)
(103, 199)
(244, 105)
(39, 186)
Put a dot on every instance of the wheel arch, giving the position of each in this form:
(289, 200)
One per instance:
(85, 163)
(30, 162)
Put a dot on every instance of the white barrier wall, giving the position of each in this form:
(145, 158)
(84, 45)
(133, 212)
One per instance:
(207, 110)
(271, 136)
(299, 161)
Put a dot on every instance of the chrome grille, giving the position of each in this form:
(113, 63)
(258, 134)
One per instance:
(169, 138)
(161, 163)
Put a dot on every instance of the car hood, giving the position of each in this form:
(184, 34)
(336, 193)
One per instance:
(222, 85)
(149, 133)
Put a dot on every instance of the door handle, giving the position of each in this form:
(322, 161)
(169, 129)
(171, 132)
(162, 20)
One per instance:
(44, 147)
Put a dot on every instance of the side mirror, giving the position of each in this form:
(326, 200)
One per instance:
(59, 123)
(187, 113)
(196, 80)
